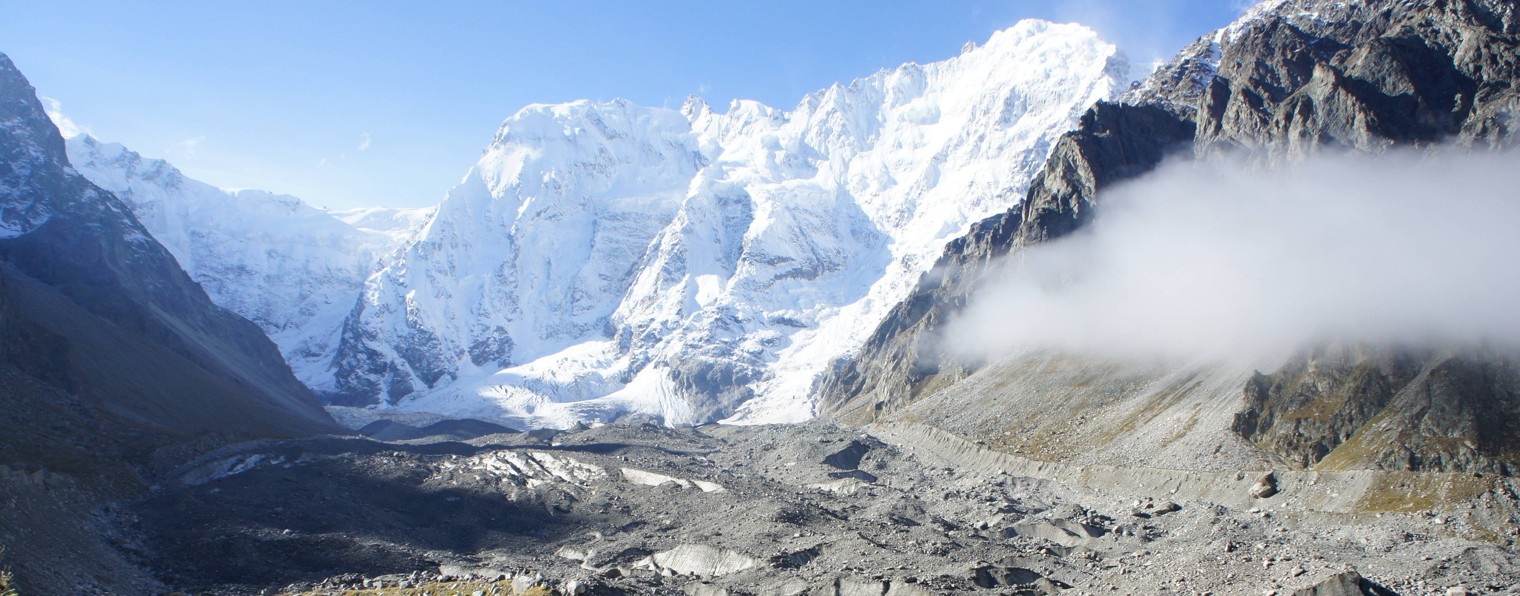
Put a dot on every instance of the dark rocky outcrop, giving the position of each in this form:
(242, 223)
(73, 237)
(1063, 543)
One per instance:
(1310, 406)
(1366, 76)
(1291, 78)
(1389, 408)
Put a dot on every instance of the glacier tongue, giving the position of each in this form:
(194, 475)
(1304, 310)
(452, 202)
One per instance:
(290, 268)
(605, 259)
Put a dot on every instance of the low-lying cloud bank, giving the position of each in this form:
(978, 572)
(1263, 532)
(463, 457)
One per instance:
(1231, 259)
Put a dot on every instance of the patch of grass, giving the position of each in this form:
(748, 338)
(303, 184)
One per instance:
(7, 581)
(1363, 448)
(1409, 492)
(1182, 431)
(1155, 405)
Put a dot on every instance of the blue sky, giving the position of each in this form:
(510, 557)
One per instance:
(349, 104)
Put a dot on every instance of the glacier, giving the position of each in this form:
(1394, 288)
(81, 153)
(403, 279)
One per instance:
(292, 269)
(605, 260)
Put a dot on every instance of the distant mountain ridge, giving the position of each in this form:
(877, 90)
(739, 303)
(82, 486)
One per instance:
(290, 268)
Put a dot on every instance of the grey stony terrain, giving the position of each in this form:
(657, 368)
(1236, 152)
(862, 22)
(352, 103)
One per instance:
(1349, 470)
(814, 508)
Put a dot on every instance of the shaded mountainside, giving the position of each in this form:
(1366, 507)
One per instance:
(113, 362)
(1288, 79)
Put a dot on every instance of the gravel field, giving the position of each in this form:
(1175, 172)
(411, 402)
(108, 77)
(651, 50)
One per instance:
(813, 508)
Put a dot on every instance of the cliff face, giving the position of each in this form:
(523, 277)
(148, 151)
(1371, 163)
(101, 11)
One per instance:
(1288, 79)
(1347, 407)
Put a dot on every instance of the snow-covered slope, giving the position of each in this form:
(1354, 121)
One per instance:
(399, 224)
(608, 259)
(290, 268)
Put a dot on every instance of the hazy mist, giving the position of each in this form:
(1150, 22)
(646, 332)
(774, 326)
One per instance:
(1229, 259)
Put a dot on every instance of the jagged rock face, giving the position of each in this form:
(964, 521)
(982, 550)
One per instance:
(1343, 408)
(292, 269)
(604, 260)
(96, 310)
(1365, 76)
(1307, 408)
(1288, 79)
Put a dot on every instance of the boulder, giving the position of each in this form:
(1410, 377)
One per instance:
(1345, 583)
(1264, 488)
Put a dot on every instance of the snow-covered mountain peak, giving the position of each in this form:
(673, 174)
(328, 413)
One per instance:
(87, 152)
(695, 108)
(605, 259)
(115, 167)
(610, 143)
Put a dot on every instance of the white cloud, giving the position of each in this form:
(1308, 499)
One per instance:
(364, 141)
(1228, 259)
(66, 127)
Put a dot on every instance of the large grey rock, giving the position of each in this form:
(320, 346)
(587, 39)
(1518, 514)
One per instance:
(1265, 488)
(1346, 583)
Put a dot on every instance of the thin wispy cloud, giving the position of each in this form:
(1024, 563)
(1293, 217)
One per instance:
(364, 141)
(185, 149)
(66, 126)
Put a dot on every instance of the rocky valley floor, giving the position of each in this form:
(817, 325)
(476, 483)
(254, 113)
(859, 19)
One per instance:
(814, 508)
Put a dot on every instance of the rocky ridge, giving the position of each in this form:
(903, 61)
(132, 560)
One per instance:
(1289, 79)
